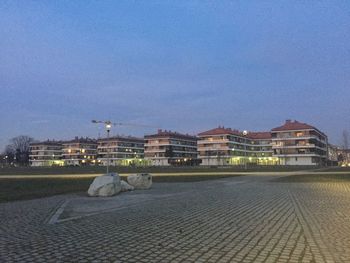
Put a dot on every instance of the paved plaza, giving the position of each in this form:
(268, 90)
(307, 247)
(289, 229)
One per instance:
(242, 219)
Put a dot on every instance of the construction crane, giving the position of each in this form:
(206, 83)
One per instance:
(108, 124)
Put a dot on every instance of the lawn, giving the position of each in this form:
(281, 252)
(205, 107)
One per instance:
(12, 189)
(30, 188)
(101, 169)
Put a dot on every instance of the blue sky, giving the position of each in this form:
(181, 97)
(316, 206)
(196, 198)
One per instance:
(181, 65)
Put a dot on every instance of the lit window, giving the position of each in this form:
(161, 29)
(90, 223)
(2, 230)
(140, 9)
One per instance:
(299, 134)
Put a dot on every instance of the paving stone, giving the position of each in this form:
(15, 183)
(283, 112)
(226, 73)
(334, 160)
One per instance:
(242, 219)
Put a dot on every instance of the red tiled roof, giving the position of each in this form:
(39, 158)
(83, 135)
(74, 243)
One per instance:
(293, 125)
(166, 133)
(259, 135)
(221, 130)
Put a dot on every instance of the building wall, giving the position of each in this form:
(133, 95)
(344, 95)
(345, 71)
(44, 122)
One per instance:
(300, 147)
(230, 147)
(45, 154)
(122, 151)
(297, 161)
(170, 149)
(80, 152)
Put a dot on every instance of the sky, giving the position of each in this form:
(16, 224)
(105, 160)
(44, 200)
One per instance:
(186, 66)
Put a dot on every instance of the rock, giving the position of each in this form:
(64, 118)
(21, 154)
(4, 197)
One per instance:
(105, 185)
(140, 181)
(126, 187)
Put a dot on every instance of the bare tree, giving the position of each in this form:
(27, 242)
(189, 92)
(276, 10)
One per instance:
(21, 143)
(19, 147)
(345, 139)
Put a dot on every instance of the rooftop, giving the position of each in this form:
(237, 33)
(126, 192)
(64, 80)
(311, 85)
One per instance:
(293, 125)
(122, 138)
(259, 135)
(290, 125)
(81, 140)
(47, 142)
(221, 130)
(165, 133)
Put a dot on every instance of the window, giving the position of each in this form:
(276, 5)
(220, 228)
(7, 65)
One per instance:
(299, 134)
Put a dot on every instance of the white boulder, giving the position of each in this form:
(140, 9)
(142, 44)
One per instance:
(140, 181)
(105, 185)
(126, 187)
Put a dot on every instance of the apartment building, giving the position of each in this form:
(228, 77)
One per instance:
(47, 153)
(226, 146)
(222, 146)
(261, 148)
(296, 143)
(121, 151)
(80, 151)
(171, 148)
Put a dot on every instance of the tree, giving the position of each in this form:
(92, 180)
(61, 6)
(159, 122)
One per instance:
(19, 148)
(9, 155)
(345, 140)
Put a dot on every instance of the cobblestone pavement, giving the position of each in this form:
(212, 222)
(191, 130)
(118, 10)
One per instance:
(241, 219)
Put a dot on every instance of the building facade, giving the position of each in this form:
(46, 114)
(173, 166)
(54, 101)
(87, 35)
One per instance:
(47, 153)
(293, 143)
(121, 151)
(226, 146)
(296, 143)
(171, 148)
(261, 148)
(79, 152)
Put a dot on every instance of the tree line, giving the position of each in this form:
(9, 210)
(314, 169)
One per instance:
(17, 152)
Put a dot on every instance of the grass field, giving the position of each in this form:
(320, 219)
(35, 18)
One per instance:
(28, 188)
(100, 169)
(12, 189)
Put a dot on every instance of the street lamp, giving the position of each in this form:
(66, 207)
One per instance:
(245, 133)
(108, 125)
(108, 129)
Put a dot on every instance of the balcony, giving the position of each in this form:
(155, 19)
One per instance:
(307, 145)
(287, 138)
(213, 141)
(169, 144)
